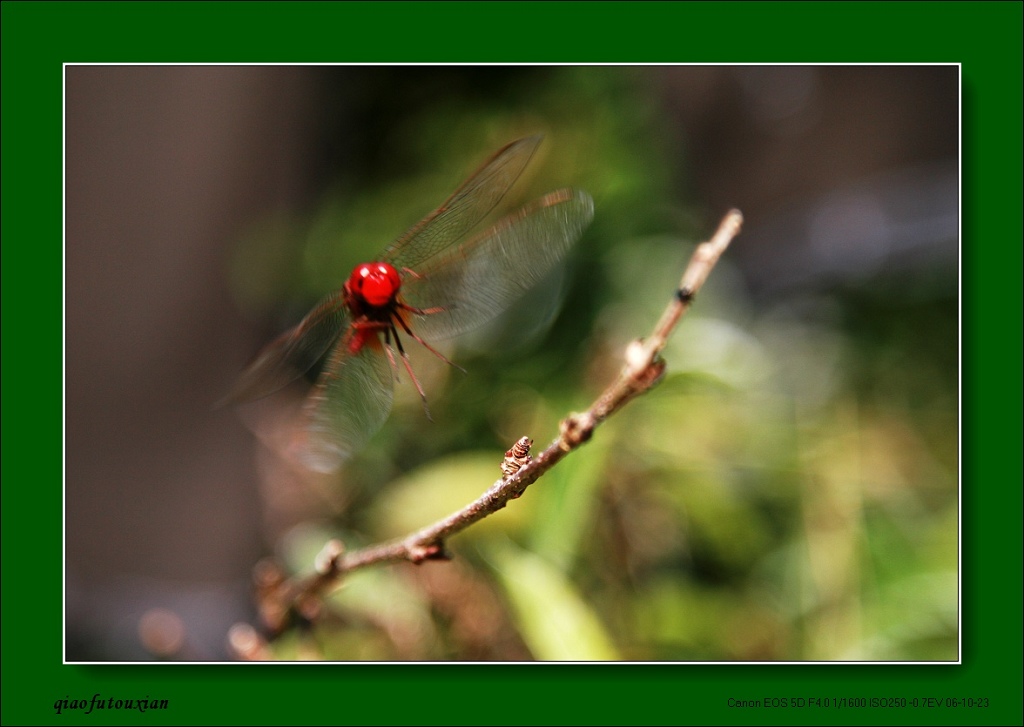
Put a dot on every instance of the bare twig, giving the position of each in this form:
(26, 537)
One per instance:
(279, 598)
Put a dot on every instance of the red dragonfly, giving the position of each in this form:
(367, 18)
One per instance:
(423, 286)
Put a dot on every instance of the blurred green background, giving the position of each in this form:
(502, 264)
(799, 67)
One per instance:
(789, 492)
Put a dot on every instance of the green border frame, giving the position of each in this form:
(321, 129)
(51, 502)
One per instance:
(38, 37)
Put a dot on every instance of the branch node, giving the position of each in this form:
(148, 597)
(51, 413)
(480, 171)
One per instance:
(516, 493)
(420, 552)
(328, 560)
(308, 607)
(653, 375)
(575, 430)
(267, 575)
(638, 358)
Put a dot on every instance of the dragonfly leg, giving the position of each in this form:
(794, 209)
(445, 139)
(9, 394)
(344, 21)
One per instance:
(390, 353)
(405, 327)
(412, 375)
(422, 311)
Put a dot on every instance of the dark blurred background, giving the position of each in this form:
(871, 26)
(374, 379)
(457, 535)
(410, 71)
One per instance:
(789, 491)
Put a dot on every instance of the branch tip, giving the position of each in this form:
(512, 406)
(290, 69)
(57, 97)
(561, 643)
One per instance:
(246, 643)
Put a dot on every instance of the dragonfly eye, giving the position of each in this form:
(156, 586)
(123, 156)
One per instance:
(375, 283)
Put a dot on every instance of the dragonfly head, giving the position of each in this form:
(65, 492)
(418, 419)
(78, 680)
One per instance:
(376, 284)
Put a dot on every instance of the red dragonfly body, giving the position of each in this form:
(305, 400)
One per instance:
(423, 286)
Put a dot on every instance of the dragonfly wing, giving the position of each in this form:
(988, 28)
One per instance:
(480, 279)
(293, 353)
(467, 206)
(348, 405)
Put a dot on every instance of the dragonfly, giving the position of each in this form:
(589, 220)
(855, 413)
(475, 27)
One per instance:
(432, 283)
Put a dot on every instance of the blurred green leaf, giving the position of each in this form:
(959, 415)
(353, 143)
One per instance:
(386, 600)
(565, 504)
(552, 615)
